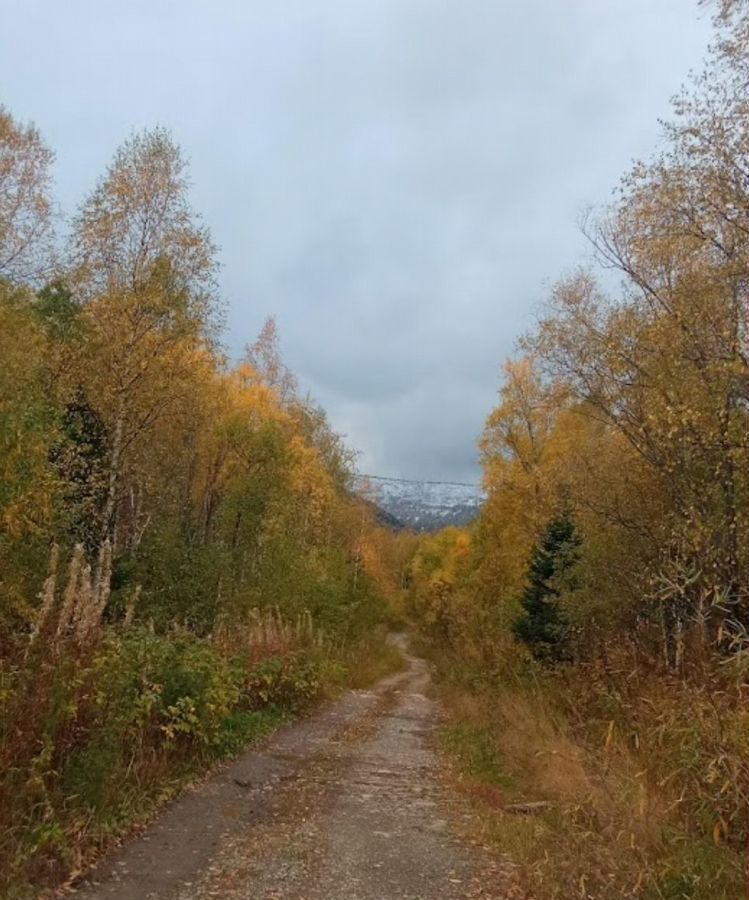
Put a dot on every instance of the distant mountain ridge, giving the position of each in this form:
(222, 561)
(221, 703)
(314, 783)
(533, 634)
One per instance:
(421, 505)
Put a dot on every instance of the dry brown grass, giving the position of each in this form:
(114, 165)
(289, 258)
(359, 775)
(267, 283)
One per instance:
(616, 827)
(267, 634)
(73, 618)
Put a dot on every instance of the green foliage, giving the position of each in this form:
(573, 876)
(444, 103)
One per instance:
(104, 740)
(26, 414)
(288, 683)
(541, 626)
(80, 460)
(477, 753)
(58, 311)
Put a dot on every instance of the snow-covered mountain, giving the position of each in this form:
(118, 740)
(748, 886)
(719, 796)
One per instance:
(421, 505)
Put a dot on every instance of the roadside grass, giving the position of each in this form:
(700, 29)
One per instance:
(611, 830)
(106, 739)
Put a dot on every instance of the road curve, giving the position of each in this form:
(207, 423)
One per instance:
(346, 805)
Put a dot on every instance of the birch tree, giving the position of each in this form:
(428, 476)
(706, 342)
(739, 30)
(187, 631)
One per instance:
(25, 206)
(144, 269)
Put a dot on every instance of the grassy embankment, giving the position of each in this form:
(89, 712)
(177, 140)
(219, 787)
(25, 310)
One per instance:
(645, 779)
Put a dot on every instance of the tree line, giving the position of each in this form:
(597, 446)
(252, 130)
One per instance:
(612, 555)
(182, 557)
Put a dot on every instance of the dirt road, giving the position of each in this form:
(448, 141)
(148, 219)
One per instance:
(348, 805)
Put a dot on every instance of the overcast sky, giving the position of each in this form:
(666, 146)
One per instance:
(397, 181)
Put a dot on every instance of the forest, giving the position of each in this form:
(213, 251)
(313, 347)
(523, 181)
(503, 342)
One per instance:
(185, 564)
(591, 627)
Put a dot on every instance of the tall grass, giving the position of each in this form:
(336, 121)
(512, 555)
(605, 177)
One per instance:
(646, 776)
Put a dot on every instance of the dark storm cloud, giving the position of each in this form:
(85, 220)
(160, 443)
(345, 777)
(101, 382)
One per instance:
(398, 181)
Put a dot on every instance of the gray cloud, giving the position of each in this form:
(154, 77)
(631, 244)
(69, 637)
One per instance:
(398, 181)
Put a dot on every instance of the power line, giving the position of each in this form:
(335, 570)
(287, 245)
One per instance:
(418, 481)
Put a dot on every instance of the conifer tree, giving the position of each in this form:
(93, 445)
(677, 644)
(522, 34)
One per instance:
(541, 626)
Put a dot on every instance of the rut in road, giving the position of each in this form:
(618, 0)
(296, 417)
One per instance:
(348, 805)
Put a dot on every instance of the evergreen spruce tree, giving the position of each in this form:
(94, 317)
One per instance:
(541, 625)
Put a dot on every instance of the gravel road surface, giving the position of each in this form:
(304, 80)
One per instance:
(349, 804)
